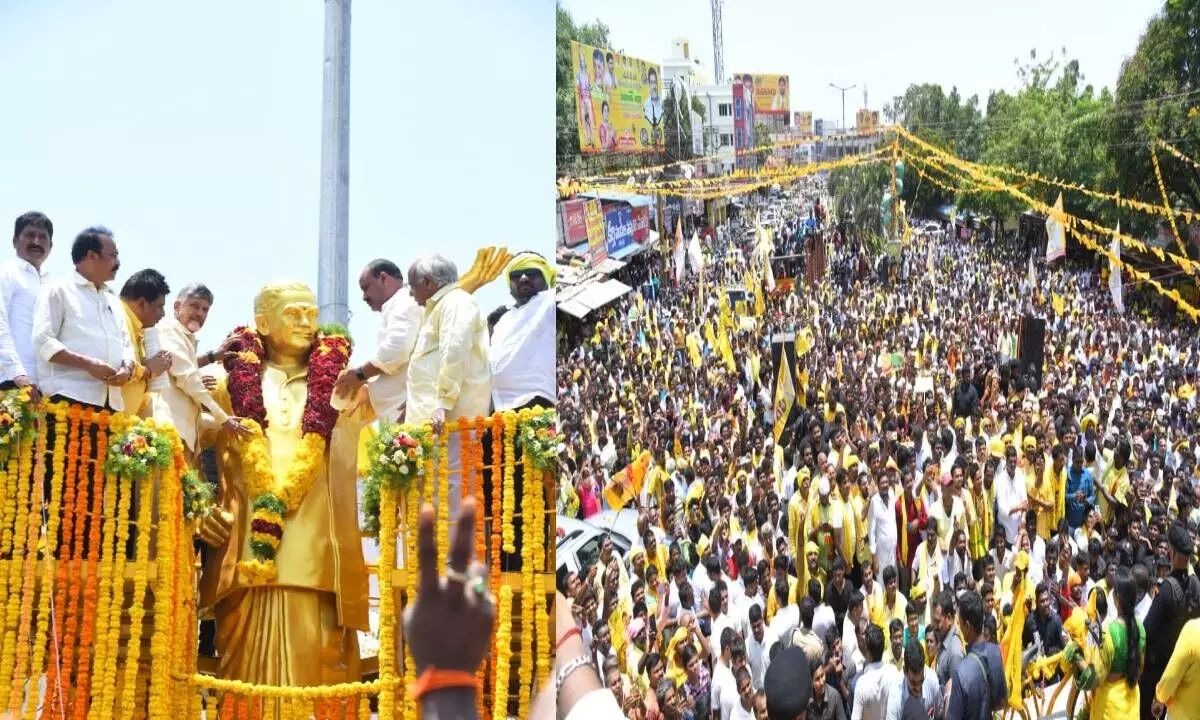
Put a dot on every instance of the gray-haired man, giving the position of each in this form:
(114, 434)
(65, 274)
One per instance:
(188, 392)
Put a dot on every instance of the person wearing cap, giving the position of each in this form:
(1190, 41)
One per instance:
(1168, 614)
(824, 521)
(788, 685)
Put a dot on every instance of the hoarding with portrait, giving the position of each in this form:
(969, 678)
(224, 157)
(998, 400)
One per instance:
(771, 93)
(618, 101)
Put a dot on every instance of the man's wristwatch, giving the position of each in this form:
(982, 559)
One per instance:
(362, 376)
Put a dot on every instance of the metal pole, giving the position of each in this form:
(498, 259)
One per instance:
(334, 247)
(843, 90)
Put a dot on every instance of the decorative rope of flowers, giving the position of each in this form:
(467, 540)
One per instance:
(538, 438)
(273, 498)
(18, 420)
(138, 450)
(198, 496)
(397, 457)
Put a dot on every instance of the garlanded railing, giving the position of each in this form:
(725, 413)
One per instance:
(98, 569)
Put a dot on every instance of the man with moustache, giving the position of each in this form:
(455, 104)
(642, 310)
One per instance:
(21, 278)
(385, 374)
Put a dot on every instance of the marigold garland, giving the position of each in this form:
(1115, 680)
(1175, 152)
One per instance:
(273, 498)
(443, 498)
(387, 606)
(64, 636)
(18, 495)
(529, 497)
(542, 619)
(30, 564)
(116, 591)
(76, 480)
(503, 653)
(497, 430)
(87, 633)
(106, 649)
(43, 621)
(170, 488)
(411, 567)
(509, 469)
(137, 612)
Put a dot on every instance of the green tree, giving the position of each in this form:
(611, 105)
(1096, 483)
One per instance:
(857, 193)
(1055, 125)
(1155, 92)
(566, 125)
(762, 138)
(943, 120)
(677, 126)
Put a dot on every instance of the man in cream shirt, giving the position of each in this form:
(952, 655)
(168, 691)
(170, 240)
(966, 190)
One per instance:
(187, 395)
(385, 374)
(448, 375)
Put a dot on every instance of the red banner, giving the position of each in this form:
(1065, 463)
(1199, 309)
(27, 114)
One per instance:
(574, 220)
(641, 224)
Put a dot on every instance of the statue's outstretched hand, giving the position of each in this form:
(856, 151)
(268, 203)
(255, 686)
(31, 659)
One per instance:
(489, 263)
(450, 624)
(215, 529)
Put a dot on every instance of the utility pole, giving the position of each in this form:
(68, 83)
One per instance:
(718, 42)
(334, 242)
(843, 90)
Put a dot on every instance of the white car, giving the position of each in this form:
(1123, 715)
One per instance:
(579, 541)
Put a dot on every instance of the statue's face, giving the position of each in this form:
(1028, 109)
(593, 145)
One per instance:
(291, 326)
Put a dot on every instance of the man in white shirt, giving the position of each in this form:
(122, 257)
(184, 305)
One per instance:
(876, 681)
(723, 694)
(1011, 496)
(21, 279)
(882, 533)
(448, 373)
(522, 343)
(758, 646)
(386, 373)
(84, 350)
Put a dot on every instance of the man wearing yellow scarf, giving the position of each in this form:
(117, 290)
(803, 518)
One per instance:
(144, 298)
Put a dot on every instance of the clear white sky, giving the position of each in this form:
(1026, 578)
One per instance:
(880, 44)
(193, 130)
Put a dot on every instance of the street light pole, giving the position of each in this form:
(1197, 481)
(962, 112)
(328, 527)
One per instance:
(843, 90)
(334, 227)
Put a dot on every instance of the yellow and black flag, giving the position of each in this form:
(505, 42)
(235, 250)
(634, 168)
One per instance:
(785, 391)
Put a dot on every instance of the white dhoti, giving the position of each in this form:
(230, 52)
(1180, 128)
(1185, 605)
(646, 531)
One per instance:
(885, 556)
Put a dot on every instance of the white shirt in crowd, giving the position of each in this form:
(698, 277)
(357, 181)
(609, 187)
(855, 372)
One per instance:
(881, 530)
(20, 283)
(522, 353)
(10, 362)
(824, 620)
(758, 656)
(871, 692)
(73, 314)
(723, 695)
(1010, 492)
(399, 322)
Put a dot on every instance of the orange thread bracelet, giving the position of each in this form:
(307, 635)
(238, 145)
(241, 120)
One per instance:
(433, 679)
(567, 636)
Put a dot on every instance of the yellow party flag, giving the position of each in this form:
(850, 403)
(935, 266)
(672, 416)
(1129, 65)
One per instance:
(785, 394)
(1060, 305)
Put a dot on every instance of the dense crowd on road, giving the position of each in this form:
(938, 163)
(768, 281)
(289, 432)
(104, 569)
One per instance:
(922, 521)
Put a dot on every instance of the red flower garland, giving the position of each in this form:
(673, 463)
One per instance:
(328, 358)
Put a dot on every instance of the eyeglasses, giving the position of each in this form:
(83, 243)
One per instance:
(530, 273)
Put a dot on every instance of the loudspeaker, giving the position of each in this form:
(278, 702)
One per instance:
(1031, 349)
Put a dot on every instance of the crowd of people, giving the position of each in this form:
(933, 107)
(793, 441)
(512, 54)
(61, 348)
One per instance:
(924, 520)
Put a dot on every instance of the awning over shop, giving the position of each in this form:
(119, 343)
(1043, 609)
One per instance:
(631, 198)
(628, 251)
(582, 300)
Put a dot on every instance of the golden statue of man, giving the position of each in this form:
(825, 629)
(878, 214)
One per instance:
(300, 628)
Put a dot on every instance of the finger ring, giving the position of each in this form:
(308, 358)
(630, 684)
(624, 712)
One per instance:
(456, 576)
(479, 587)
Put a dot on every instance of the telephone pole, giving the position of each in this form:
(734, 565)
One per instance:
(333, 253)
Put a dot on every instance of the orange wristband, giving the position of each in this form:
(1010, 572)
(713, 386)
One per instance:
(433, 679)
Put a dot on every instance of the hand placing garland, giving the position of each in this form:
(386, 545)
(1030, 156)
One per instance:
(273, 498)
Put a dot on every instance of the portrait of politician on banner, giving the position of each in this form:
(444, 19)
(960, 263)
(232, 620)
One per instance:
(618, 100)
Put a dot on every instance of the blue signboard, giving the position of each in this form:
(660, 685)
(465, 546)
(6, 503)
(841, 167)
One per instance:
(618, 228)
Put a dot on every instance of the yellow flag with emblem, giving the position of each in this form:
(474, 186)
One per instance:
(785, 394)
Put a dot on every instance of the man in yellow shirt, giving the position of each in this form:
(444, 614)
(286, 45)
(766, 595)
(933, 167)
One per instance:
(1179, 689)
(144, 297)
(449, 375)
